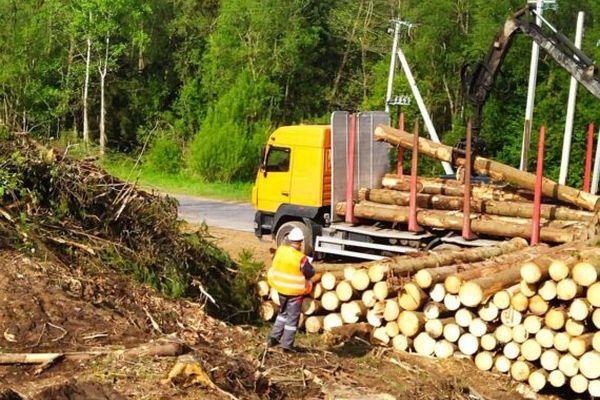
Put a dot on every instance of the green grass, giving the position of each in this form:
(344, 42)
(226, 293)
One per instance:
(184, 183)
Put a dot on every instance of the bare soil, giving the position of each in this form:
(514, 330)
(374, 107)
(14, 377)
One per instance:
(46, 307)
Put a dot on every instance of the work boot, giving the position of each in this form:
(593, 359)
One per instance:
(293, 349)
(272, 342)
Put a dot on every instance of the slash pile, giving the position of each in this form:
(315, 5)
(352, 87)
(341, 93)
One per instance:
(497, 210)
(532, 312)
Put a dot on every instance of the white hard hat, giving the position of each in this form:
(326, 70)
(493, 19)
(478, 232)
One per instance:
(296, 235)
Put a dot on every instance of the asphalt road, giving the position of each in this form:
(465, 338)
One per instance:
(221, 214)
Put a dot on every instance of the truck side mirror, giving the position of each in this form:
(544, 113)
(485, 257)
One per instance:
(263, 163)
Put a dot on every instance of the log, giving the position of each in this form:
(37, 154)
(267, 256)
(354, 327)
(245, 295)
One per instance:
(481, 200)
(317, 290)
(391, 310)
(410, 322)
(557, 379)
(519, 334)
(435, 328)
(368, 298)
(502, 298)
(333, 320)
(538, 306)
(567, 254)
(488, 342)
(579, 345)
(29, 358)
(558, 270)
(379, 336)
(531, 350)
(503, 334)
(411, 297)
(478, 327)
(549, 359)
(502, 364)
(594, 388)
(533, 324)
(437, 293)
(262, 288)
(314, 324)
(585, 273)
(528, 289)
(578, 384)
(310, 306)
(434, 310)
(344, 291)
(561, 341)
(444, 349)
(519, 302)
(353, 311)
(569, 365)
(452, 189)
(360, 280)
(274, 296)
(547, 290)
(511, 350)
(555, 318)
(488, 312)
(330, 301)
(267, 310)
(392, 329)
(511, 317)
(473, 293)
(424, 344)
(596, 318)
(328, 281)
(588, 364)
(567, 289)
(349, 273)
(401, 342)
(463, 317)
(484, 360)
(593, 294)
(381, 290)
(348, 331)
(574, 328)
(480, 224)
(538, 379)
(376, 272)
(579, 310)
(520, 371)
(596, 341)
(452, 332)
(493, 169)
(451, 302)
(545, 337)
(468, 344)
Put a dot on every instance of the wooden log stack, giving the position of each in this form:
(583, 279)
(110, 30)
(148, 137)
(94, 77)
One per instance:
(531, 312)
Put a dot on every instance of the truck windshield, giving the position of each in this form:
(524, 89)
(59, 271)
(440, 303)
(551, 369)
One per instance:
(278, 159)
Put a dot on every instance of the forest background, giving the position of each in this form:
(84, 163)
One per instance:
(195, 87)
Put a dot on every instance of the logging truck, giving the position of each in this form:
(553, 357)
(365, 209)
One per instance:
(302, 176)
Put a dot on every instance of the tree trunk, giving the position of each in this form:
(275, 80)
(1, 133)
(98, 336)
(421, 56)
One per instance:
(86, 85)
(493, 169)
(487, 225)
(491, 207)
(103, 71)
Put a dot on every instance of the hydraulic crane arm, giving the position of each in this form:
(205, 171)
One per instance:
(560, 48)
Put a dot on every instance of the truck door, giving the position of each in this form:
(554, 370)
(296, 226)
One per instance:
(274, 180)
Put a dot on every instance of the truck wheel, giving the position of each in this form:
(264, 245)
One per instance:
(284, 230)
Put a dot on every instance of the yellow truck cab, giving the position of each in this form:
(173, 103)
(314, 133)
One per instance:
(293, 183)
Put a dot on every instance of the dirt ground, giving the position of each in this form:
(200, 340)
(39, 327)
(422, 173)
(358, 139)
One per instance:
(89, 317)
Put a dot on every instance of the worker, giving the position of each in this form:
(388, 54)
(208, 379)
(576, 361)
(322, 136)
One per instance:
(289, 275)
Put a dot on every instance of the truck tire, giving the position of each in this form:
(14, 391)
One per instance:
(284, 230)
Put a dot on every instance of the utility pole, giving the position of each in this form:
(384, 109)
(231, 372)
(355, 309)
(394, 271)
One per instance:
(390, 85)
(566, 149)
(540, 5)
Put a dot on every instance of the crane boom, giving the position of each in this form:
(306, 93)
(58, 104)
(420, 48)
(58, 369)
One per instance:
(558, 46)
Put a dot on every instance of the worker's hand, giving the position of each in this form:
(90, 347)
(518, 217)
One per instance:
(316, 277)
(310, 259)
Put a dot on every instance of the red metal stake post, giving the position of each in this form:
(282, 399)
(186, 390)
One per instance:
(537, 195)
(350, 170)
(412, 202)
(466, 229)
(587, 169)
(399, 163)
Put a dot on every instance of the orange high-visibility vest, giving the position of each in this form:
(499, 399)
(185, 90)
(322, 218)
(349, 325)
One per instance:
(285, 274)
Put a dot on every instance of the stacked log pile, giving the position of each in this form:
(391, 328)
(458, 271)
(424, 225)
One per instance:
(531, 312)
(503, 211)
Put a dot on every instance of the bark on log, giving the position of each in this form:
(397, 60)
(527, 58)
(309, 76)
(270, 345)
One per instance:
(501, 206)
(493, 169)
(483, 224)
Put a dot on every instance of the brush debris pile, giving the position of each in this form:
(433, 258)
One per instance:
(72, 212)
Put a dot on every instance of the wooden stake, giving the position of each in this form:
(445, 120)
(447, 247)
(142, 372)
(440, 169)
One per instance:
(596, 341)
(376, 272)
(391, 310)
(434, 310)
(317, 290)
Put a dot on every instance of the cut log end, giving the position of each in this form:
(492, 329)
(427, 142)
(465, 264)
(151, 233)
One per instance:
(471, 294)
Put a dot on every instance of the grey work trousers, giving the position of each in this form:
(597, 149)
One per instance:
(286, 323)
